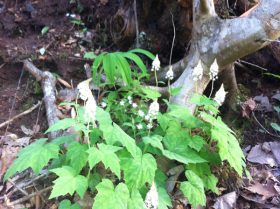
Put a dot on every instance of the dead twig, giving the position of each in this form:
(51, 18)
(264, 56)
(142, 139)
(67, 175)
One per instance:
(18, 187)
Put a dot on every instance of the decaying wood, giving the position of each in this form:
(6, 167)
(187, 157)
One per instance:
(20, 115)
(48, 86)
(224, 40)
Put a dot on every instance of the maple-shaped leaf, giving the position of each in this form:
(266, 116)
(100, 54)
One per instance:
(139, 170)
(78, 156)
(68, 182)
(110, 197)
(106, 154)
(36, 155)
(114, 134)
(193, 189)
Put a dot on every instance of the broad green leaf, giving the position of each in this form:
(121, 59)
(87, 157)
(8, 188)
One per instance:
(66, 204)
(197, 142)
(63, 139)
(138, 170)
(36, 155)
(77, 155)
(62, 124)
(103, 118)
(145, 52)
(135, 58)
(203, 171)
(136, 200)
(105, 154)
(90, 55)
(109, 67)
(114, 134)
(68, 182)
(95, 67)
(193, 189)
(108, 196)
(164, 200)
(124, 68)
(163, 121)
(150, 93)
(154, 141)
(175, 91)
(93, 180)
(275, 126)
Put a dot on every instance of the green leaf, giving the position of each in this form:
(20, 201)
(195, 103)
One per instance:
(197, 142)
(95, 66)
(93, 180)
(275, 126)
(150, 93)
(115, 198)
(36, 156)
(277, 109)
(45, 30)
(64, 139)
(106, 154)
(77, 154)
(66, 204)
(90, 55)
(154, 141)
(109, 67)
(135, 201)
(68, 182)
(164, 200)
(203, 171)
(145, 52)
(124, 68)
(138, 170)
(135, 58)
(114, 134)
(62, 125)
(193, 189)
(175, 91)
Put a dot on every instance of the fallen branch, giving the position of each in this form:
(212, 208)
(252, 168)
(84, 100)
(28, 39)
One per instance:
(20, 115)
(48, 86)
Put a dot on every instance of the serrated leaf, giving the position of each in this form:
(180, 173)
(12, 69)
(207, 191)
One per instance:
(154, 141)
(197, 142)
(193, 189)
(63, 139)
(164, 200)
(150, 93)
(68, 182)
(138, 170)
(116, 198)
(90, 55)
(62, 125)
(114, 134)
(105, 154)
(93, 180)
(77, 155)
(136, 200)
(36, 155)
(203, 171)
(275, 126)
(66, 204)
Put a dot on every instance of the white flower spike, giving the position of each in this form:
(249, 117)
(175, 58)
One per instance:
(214, 70)
(198, 71)
(170, 74)
(141, 113)
(220, 95)
(153, 109)
(156, 64)
(139, 126)
(134, 105)
(122, 102)
(151, 200)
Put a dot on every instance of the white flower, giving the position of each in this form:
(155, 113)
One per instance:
(153, 109)
(141, 113)
(134, 105)
(170, 74)
(197, 71)
(220, 95)
(151, 200)
(156, 64)
(67, 14)
(149, 126)
(214, 69)
(72, 15)
(129, 98)
(103, 104)
(147, 117)
(139, 126)
(122, 103)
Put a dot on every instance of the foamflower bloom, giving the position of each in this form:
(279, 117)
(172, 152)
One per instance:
(156, 64)
(122, 102)
(153, 109)
(134, 105)
(220, 95)
(139, 126)
(214, 70)
(103, 104)
(141, 113)
(170, 74)
(198, 71)
(149, 126)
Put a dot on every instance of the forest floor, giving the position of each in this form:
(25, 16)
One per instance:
(60, 50)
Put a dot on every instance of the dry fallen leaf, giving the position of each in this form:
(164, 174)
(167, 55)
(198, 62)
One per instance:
(258, 155)
(265, 190)
(247, 107)
(227, 201)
